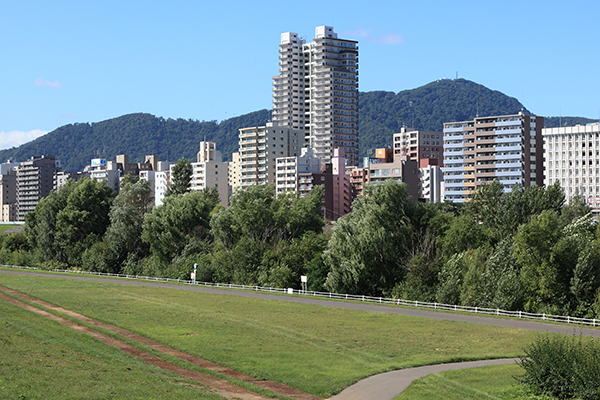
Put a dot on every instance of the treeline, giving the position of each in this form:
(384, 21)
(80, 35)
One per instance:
(519, 250)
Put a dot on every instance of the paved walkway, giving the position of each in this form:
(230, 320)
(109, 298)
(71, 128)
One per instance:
(388, 385)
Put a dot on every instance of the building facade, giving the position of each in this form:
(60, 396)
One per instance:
(572, 157)
(316, 92)
(259, 148)
(210, 171)
(290, 168)
(419, 145)
(35, 180)
(507, 148)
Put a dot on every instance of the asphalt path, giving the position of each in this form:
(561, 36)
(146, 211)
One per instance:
(384, 386)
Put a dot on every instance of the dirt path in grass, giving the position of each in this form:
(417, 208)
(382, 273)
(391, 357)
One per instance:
(220, 386)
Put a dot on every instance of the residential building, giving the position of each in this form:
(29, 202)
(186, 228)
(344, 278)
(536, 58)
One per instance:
(62, 177)
(107, 171)
(259, 148)
(290, 168)
(432, 182)
(419, 145)
(162, 179)
(210, 171)
(35, 180)
(316, 92)
(479, 151)
(337, 199)
(402, 170)
(234, 173)
(572, 157)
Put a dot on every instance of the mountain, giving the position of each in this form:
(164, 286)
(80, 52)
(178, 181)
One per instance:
(136, 135)
(381, 114)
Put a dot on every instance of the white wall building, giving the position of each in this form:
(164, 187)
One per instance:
(572, 157)
(432, 189)
(102, 170)
(316, 91)
(288, 169)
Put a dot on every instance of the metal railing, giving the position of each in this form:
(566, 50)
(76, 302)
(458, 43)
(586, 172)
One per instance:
(337, 296)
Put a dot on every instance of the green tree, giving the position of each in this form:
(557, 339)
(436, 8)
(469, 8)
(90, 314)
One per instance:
(40, 224)
(368, 247)
(181, 177)
(169, 228)
(84, 219)
(123, 239)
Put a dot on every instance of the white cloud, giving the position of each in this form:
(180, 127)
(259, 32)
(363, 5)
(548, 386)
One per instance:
(43, 82)
(17, 138)
(366, 35)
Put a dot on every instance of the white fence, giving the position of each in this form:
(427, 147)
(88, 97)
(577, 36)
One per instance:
(362, 298)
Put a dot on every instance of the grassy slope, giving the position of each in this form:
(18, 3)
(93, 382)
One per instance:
(495, 382)
(318, 350)
(41, 359)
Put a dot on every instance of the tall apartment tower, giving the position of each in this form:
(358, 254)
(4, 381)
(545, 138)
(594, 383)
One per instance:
(508, 148)
(316, 92)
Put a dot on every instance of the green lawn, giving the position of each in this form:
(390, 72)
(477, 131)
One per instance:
(41, 359)
(319, 350)
(4, 228)
(494, 382)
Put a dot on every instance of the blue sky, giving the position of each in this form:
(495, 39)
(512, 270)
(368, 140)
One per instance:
(86, 61)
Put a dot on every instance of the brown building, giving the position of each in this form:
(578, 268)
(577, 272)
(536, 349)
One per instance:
(337, 199)
(418, 145)
(35, 180)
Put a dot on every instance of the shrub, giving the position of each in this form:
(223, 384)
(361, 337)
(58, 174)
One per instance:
(562, 366)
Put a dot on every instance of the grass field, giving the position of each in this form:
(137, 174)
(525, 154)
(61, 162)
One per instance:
(495, 382)
(318, 350)
(4, 228)
(41, 359)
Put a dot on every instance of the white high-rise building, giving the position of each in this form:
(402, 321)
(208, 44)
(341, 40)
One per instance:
(316, 92)
(572, 157)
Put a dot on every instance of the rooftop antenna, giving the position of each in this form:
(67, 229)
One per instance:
(456, 74)
(412, 111)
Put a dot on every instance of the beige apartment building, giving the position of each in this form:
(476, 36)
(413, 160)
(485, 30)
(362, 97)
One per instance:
(259, 148)
(210, 171)
(316, 92)
(507, 148)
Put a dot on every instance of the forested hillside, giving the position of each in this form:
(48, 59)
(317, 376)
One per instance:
(136, 135)
(381, 114)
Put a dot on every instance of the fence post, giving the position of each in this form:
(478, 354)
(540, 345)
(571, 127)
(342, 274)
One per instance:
(544, 316)
(416, 303)
(519, 314)
(435, 306)
(475, 310)
(363, 298)
(497, 311)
